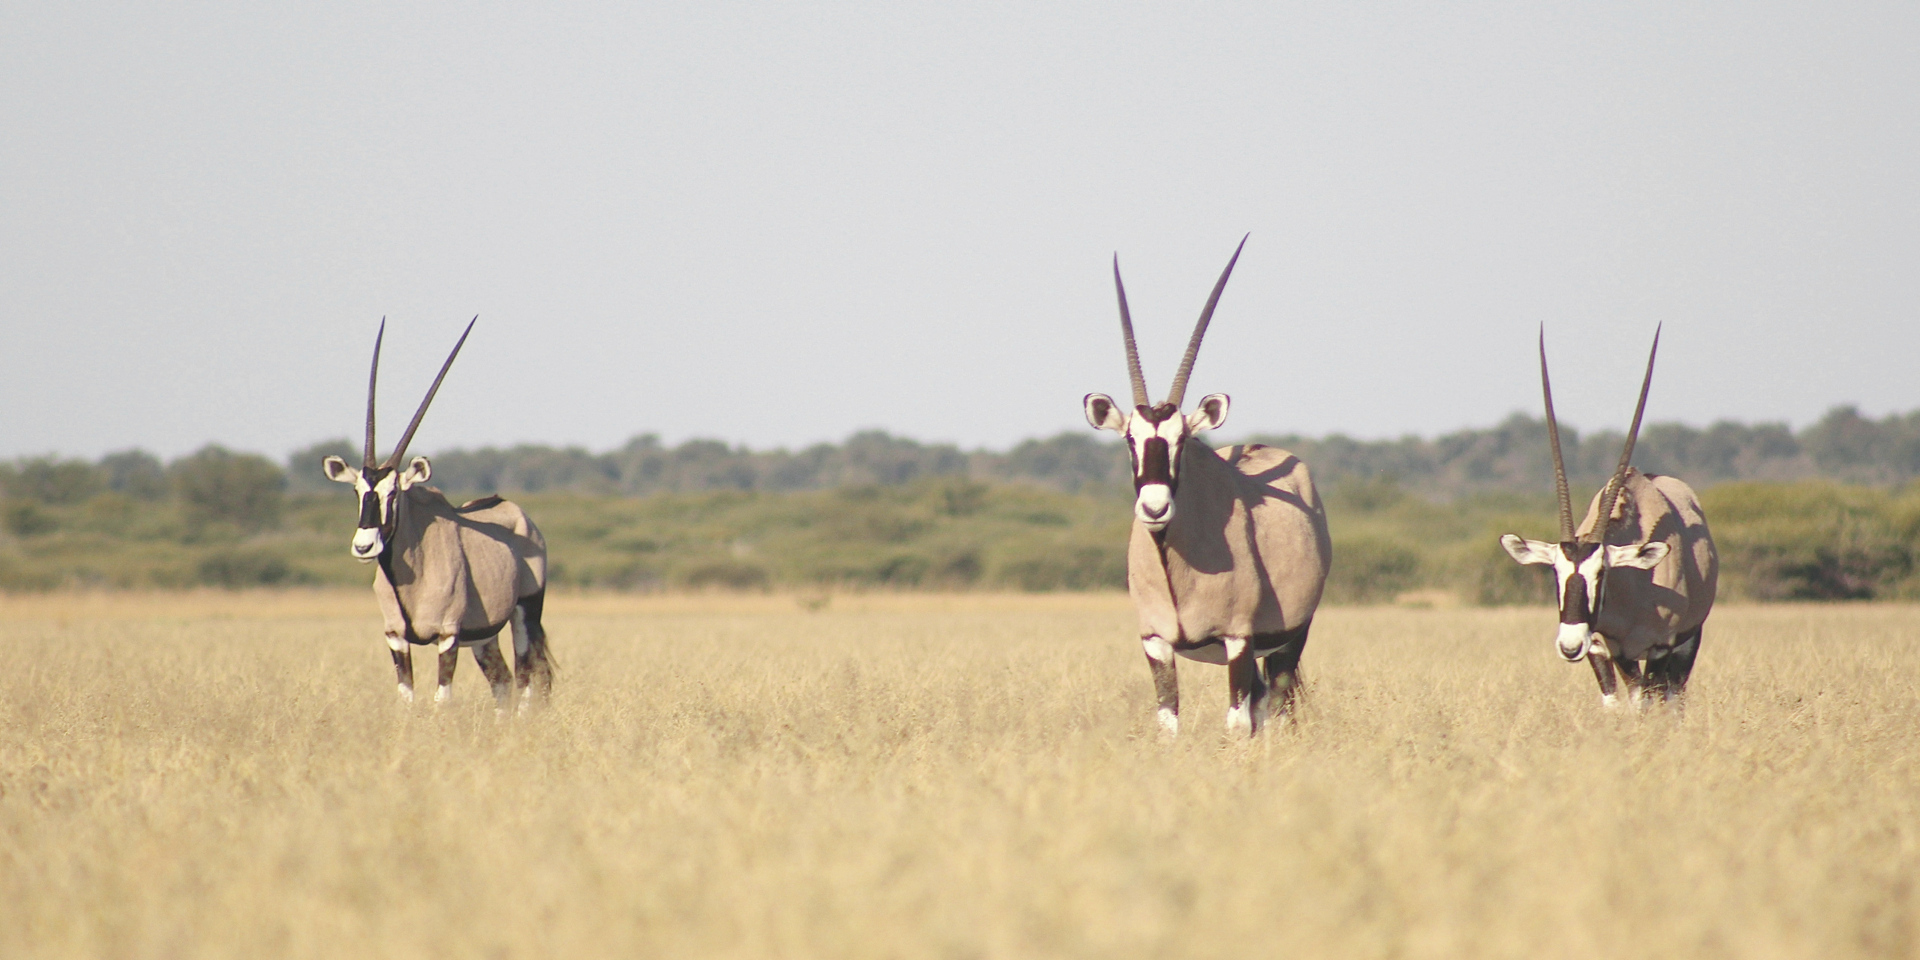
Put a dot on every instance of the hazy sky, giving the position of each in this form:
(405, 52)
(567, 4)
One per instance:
(778, 224)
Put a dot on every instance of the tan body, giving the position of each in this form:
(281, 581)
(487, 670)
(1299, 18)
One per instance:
(1635, 586)
(457, 572)
(1645, 610)
(445, 575)
(1246, 555)
(1229, 550)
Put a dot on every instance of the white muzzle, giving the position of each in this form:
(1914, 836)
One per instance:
(366, 544)
(1573, 641)
(1154, 506)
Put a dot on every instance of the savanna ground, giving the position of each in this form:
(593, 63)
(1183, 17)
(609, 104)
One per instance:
(229, 775)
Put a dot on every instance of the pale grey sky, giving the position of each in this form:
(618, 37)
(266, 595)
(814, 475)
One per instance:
(777, 224)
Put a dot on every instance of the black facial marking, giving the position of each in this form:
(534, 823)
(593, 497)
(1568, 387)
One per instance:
(370, 504)
(1159, 413)
(1575, 605)
(1155, 466)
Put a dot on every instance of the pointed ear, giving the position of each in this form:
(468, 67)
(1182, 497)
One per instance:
(1102, 413)
(1211, 414)
(419, 471)
(1527, 551)
(337, 470)
(1644, 556)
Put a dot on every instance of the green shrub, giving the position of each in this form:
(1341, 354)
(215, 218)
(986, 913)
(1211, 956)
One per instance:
(728, 574)
(1369, 569)
(54, 482)
(25, 518)
(1062, 567)
(1483, 573)
(218, 486)
(246, 567)
(1811, 541)
(136, 474)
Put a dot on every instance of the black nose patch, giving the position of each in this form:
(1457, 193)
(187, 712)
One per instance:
(369, 510)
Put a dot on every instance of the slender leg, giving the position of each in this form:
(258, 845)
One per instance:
(1282, 668)
(1668, 675)
(449, 658)
(403, 666)
(494, 666)
(1246, 689)
(1166, 682)
(533, 664)
(1603, 671)
(522, 656)
(1632, 679)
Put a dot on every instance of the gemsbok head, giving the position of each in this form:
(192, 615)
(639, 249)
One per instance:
(1229, 551)
(1636, 580)
(448, 576)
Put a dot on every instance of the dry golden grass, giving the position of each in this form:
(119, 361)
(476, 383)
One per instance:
(971, 776)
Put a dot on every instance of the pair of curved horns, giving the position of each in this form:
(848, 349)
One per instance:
(373, 380)
(1179, 391)
(1611, 492)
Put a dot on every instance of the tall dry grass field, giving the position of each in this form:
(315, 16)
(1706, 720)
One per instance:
(970, 776)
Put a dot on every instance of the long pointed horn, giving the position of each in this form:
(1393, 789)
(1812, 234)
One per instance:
(373, 380)
(406, 438)
(1139, 379)
(1619, 478)
(1553, 435)
(1179, 391)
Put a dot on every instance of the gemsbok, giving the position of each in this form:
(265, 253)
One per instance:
(448, 576)
(1229, 550)
(1638, 586)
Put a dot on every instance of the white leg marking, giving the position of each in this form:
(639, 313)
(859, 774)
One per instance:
(395, 643)
(1157, 648)
(443, 694)
(448, 643)
(406, 693)
(1240, 720)
(1169, 723)
(1609, 701)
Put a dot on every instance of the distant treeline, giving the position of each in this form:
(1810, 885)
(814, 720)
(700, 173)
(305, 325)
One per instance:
(645, 466)
(1512, 457)
(1829, 512)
